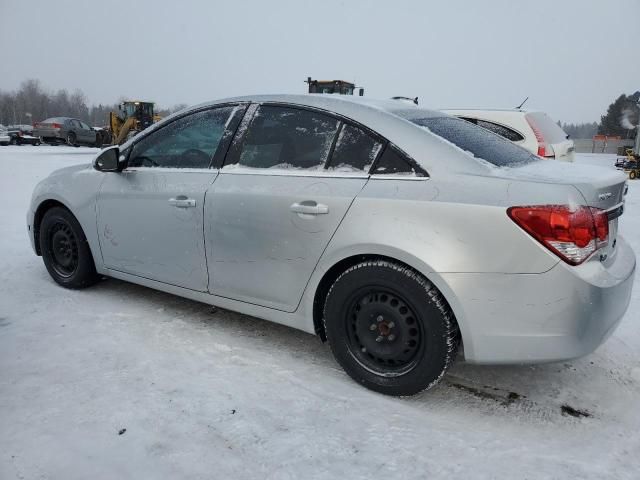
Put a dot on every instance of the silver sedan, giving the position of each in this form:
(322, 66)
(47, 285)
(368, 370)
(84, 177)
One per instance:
(399, 234)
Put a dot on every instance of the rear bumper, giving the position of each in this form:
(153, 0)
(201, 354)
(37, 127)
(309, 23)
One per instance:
(564, 313)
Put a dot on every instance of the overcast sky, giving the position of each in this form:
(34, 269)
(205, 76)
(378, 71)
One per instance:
(572, 58)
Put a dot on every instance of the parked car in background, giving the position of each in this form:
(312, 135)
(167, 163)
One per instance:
(67, 130)
(535, 131)
(392, 231)
(4, 135)
(22, 135)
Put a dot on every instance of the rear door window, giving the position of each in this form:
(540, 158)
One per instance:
(355, 150)
(287, 138)
(477, 141)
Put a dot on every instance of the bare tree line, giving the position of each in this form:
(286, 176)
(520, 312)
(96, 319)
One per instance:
(31, 102)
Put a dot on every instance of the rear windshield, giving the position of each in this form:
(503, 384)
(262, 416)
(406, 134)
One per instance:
(478, 141)
(550, 130)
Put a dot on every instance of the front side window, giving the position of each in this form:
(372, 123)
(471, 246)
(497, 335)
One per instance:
(188, 142)
(355, 150)
(287, 138)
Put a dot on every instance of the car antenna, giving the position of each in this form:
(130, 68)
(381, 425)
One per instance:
(523, 102)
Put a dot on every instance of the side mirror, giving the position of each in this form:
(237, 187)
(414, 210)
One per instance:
(108, 160)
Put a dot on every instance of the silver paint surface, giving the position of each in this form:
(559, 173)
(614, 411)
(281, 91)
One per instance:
(242, 247)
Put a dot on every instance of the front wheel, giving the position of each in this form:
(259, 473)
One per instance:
(390, 328)
(71, 139)
(65, 250)
(632, 175)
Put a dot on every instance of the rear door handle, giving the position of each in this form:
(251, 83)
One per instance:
(182, 202)
(309, 207)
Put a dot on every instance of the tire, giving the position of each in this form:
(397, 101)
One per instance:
(632, 175)
(71, 139)
(389, 328)
(65, 250)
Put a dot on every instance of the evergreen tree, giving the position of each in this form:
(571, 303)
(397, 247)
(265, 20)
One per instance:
(621, 115)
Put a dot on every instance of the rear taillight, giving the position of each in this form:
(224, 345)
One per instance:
(542, 145)
(572, 233)
(56, 125)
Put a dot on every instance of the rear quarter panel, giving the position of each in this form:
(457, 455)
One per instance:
(452, 224)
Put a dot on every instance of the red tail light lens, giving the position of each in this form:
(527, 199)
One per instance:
(56, 125)
(573, 234)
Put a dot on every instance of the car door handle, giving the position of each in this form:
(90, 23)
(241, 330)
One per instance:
(182, 202)
(309, 207)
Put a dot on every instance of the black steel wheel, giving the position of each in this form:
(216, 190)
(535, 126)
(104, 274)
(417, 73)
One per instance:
(65, 250)
(390, 328)
(62, 246)
(382, 332)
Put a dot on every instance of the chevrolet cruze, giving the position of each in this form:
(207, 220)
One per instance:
(398, 234)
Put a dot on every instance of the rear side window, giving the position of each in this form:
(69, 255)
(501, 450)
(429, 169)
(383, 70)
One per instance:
(393, 162)
(355, 150)
(550, 130)
(478, 141)
(501, 130)
(287, 138)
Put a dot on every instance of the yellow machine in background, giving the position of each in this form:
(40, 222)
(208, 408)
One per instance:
(132, 117)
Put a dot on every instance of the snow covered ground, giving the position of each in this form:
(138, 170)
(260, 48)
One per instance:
(214, 394)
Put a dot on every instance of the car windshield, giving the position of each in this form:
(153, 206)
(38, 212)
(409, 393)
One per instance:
(478, 141)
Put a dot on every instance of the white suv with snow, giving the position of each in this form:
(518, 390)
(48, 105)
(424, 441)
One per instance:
(534, 131)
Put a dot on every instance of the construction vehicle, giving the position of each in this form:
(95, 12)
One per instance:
(132, 117)
(340, 87)
(630, 163)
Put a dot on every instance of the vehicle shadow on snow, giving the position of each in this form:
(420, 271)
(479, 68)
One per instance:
(538, 392)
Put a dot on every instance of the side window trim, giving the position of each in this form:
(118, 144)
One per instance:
(233, 154)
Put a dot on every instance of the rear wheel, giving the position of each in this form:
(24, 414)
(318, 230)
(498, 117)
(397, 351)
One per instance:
(65, 250)
(71, 139)
(390, 328)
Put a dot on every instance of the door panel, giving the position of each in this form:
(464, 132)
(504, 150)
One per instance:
(265, 233)
(150, 216)
(150, 224)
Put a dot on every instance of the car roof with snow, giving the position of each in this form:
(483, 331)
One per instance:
(341, 104)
